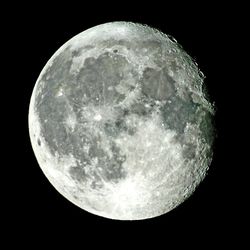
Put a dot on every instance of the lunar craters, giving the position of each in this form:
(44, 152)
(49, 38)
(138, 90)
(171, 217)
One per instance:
(123, 110)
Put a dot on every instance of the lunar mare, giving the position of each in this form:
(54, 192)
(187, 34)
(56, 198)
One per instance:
(120, 123)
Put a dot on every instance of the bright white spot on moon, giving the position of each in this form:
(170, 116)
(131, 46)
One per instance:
(60, 92)
(71, 122)
(119, 122)
(98, 117)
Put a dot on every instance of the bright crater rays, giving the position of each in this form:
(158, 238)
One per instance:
(119, 122)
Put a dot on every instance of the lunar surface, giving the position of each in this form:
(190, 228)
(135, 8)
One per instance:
(120, 122)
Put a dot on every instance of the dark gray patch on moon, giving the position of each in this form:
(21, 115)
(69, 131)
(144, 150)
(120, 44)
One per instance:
(95, 79)
(177, 113)
(78, 173)
(157, 84)
(207, 127)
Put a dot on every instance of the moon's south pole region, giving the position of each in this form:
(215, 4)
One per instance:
(120, 122)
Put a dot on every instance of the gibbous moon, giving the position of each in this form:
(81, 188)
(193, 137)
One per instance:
(120, 123)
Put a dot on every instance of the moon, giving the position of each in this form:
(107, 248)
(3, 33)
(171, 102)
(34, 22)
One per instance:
(120, 122)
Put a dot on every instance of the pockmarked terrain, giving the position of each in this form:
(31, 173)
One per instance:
(120, 122)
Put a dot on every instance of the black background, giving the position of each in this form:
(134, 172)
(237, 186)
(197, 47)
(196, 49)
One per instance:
(208, 32)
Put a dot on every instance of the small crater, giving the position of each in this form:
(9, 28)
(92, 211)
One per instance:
(77, 173)
(131, 131)
(189, 151)
(75, 196)
(96, 184)
(115, 50)
(39, 142)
